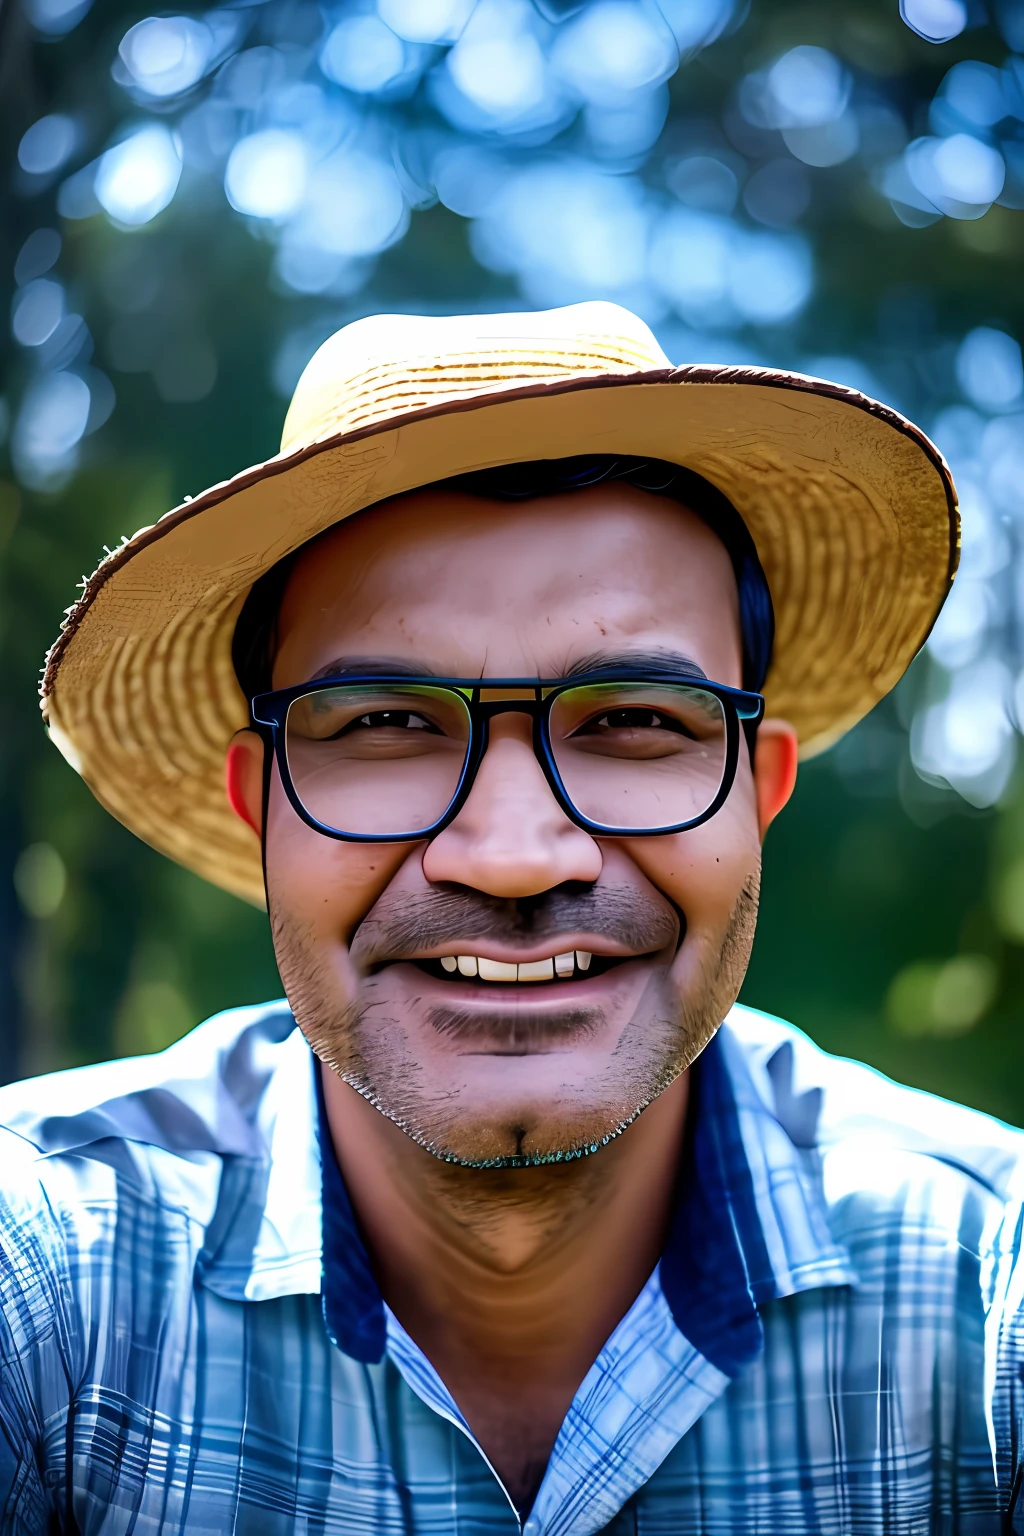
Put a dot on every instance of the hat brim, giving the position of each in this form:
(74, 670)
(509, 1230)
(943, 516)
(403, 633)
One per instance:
(851, 508)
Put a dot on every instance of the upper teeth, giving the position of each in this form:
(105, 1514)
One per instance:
(529, 970)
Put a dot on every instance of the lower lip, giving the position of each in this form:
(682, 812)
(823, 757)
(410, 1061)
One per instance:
(537, 996)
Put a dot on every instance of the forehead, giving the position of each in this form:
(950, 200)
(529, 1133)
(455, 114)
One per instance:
(465, 585)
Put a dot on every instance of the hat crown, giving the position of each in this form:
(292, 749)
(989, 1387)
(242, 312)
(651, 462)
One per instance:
(388, 365)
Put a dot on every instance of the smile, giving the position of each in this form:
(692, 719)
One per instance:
(569, 966)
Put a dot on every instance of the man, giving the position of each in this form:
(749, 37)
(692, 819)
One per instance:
(543, 1233)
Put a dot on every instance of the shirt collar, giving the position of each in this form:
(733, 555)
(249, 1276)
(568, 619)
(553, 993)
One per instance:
(352, 1305)
(750, 1221)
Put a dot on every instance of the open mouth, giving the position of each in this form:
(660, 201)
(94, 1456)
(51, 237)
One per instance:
(572, 965)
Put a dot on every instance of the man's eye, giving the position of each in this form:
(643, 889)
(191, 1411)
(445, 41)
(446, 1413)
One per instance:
(635, 719)
(636, 723)
(391, 719)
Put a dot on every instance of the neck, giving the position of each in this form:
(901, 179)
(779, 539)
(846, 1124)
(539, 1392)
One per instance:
(510, 1280)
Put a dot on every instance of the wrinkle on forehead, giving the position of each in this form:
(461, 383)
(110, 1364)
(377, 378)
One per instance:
(470, 586)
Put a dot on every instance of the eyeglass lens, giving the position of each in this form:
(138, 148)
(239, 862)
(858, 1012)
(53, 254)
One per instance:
(638, 754)
(387, 760)
(375, 760)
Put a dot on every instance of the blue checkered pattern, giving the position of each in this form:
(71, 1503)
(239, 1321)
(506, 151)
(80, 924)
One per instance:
(191, 1340)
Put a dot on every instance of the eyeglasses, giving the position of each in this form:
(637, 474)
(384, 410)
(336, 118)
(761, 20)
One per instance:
(389, 759)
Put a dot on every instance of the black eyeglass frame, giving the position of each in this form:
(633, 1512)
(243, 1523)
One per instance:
(269, 715)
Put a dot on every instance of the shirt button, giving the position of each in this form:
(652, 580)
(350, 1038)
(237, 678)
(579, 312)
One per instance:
(531, 1527)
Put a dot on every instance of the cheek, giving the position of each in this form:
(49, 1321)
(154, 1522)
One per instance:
(322, 885)
(704, 871)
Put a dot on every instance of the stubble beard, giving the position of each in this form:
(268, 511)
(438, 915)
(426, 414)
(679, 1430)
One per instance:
(372, 1053)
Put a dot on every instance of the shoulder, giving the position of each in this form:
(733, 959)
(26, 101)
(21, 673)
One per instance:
(888, 1157)
(156, 1126)
(124, 1183)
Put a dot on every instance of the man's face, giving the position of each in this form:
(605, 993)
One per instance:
(481, 1071)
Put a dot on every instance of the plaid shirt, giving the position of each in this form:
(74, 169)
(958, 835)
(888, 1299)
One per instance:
(191, 1339)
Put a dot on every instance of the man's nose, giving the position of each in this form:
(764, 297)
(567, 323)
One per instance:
(511, 838)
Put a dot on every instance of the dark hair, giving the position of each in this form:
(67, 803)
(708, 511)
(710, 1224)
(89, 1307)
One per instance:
(255, 639)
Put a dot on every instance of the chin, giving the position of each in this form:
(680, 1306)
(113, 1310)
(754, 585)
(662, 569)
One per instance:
(514, 1112)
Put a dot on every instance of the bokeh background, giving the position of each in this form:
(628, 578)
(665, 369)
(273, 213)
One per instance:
(192, 202)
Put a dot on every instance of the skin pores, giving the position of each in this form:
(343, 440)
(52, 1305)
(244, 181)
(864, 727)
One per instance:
(464, 587)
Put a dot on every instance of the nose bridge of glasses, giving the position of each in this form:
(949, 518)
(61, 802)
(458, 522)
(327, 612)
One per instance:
(507, 701)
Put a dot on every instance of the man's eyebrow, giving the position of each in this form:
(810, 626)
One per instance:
(655, 661)
(371, 666)
(597, 661)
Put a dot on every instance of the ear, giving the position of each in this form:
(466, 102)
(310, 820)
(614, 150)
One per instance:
(243, 778)
(775, 764)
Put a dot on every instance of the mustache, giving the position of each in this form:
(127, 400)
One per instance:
(398, 926)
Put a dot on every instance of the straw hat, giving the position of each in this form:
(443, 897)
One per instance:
(851, 507)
